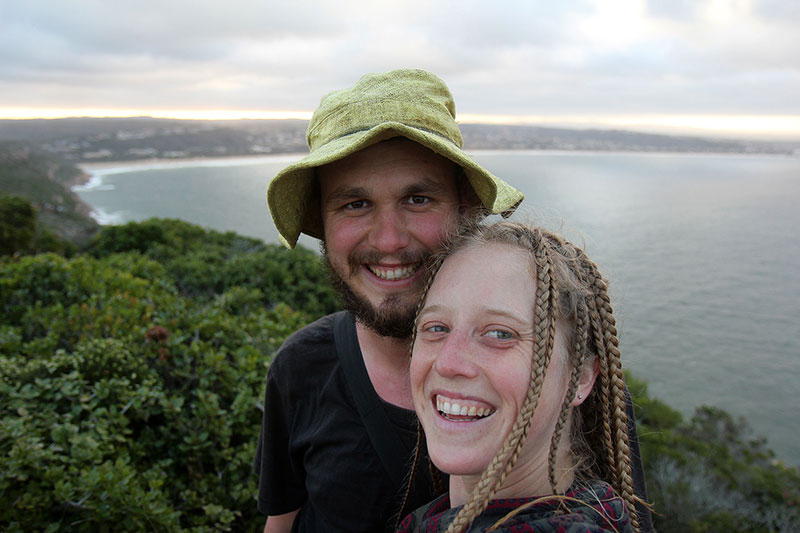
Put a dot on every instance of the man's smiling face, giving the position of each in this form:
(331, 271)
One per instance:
(384, 210)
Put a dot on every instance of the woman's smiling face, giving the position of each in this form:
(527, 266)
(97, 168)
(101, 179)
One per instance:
(471, 360)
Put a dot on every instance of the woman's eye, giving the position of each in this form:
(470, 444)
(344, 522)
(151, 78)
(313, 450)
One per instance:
(500, 334)
(436, 328)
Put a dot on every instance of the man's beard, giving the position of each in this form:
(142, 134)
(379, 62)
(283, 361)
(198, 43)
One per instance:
(394, 316)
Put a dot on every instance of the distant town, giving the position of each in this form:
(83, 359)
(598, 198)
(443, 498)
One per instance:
(81, 140)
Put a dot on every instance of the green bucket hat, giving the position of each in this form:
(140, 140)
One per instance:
(408, 103)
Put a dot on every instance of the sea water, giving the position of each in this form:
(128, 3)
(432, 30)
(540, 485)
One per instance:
(702, 252)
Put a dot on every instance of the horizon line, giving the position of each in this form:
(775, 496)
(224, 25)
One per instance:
(785, 127)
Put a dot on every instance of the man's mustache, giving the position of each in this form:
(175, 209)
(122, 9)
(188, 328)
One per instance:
(372, 257)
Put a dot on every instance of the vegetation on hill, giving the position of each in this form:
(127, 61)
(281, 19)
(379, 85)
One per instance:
(711, 473)
(17, 224)
(132, 388)
(62, 221)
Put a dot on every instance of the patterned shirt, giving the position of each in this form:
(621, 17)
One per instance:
(592, 507)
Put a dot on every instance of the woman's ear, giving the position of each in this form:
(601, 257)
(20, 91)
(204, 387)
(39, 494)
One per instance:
(588, 377)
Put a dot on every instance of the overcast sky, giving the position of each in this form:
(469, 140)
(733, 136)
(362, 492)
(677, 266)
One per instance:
(733, 64)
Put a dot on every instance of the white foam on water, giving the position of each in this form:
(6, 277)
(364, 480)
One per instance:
(105, 218)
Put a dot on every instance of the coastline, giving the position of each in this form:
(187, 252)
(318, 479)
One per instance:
(118, 166)
(93, 171)
(115, 167)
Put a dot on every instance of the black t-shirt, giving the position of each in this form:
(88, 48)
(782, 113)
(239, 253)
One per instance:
(314, 451)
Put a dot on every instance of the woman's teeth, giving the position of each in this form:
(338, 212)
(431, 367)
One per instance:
(392, 274)
(461, 411)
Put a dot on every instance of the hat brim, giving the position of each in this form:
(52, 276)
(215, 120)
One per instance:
(292, 193)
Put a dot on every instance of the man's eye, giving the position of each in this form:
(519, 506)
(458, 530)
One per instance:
(418, 200)
(500, 334)
(358, 204)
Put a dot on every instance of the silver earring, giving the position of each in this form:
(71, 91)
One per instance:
(580, 397)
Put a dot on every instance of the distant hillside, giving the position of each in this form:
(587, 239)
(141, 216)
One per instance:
(505, 137)
(46, 182)
(122, 139)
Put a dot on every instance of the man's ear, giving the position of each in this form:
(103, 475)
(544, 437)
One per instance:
(312, 216)
(468, 198)
(588, 376)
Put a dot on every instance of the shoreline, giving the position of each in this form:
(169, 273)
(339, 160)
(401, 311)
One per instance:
(119, 166)
(137, 164)
(94, 171)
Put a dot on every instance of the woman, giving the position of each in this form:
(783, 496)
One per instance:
(517, 382)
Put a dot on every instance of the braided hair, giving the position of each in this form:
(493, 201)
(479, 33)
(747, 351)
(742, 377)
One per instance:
(569, 289)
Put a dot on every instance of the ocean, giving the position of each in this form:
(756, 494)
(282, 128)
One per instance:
(702, 251)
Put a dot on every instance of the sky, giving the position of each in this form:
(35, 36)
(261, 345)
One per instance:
(723, 67)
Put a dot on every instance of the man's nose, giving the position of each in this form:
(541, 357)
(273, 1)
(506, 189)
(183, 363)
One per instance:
(389, 232)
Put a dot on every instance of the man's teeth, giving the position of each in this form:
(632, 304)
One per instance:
(446, 408)
(392, 274)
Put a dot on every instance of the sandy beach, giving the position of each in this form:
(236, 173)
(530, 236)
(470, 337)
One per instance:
(114, 167)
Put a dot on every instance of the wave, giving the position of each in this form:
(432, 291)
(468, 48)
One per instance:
(105, 218)
(95, 182)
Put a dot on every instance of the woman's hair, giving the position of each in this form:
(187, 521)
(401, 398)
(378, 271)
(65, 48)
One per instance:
(569, 290)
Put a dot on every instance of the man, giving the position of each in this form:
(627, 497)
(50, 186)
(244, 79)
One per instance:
(384, 181)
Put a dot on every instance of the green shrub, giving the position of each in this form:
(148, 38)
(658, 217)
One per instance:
(125, 406)
(710, 473)
(17, 224)
(62, 221)
(204, 263)
(133, 236)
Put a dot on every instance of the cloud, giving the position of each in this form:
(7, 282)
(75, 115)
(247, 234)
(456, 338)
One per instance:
(511, 57)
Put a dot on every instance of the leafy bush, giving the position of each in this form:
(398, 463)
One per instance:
(134, 236)
(711, 473)
(17, 224)
(125, 405)
(206, 263)
(44, 181)
(21, 230)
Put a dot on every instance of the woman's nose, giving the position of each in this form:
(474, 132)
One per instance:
(455, 358)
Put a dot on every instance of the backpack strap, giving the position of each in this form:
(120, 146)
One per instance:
(382, 433)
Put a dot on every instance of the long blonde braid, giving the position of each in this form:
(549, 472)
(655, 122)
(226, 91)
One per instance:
(611, 401)
(622, 465)
(577, 357)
